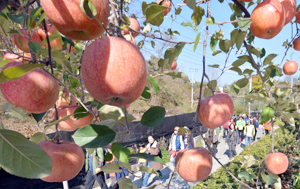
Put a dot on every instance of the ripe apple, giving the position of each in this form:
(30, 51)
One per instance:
(34, 37)
(16, 58)
(290, 67)
(26, 58)
(296, 44)
(135, 25)
(215, 110)
(298, 17)
(36, 91)
(71, 123)
(114, 71)
(67, 160)
(289, 7)
(65, 100)
(71, 21)
(268, 19)
(174, 65)
(130, 39)
(193, 165)
(11, 56)
(166, 3)
(276, 163)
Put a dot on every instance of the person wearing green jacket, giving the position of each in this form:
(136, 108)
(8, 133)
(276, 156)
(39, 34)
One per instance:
(249, 133)
(240, 124)
(94, 161)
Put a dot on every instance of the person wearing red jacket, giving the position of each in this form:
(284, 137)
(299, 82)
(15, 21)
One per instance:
(225, 128)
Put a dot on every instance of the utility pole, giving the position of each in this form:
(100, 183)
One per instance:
(250, 89)
(192, 81)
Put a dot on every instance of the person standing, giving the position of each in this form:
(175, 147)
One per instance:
(188, 140)
(232, 140)
(249, 133)
(225, 128)
(213, 135)
(256, 126)
(153, 149)
(175, 145)
(268, 126)
(142, 161)
(240, 124)
(94, 161)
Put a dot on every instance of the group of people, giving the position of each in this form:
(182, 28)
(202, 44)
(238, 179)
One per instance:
(238, 130)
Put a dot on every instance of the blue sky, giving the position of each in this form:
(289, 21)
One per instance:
(188, 58)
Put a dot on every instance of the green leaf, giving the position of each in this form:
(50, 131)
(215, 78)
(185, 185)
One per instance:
(178, 11)
(278, 184)
(147, 157)
(19, 19)
(112, 167)
(126, 183)
(116, 113)
(240, 39)
(216, 52)
(16, 112)
(120, 152)
(269, 180)
(244, 23)
(289, 117)
(248, 71)
(146, 93)
(172, 53)
(80, 112)
(140, 44)
(38, 117)
(153, 44)
(214, 66)
(34, 46)
(94, 136)
(269, 58)
(233, 35)
(266, 114)
(197, 41)
(236, 88)
(176, 74)
(154, 84)
(88, 7)
(42, 17)
(210, 20)
(236, 69)
(148, 170)
(38, 137)
(213, 42)
(207, 92)
(187, 23)
(16, 72)
(154, 14)
(153, 116)
(248, 161)
(225, 45)
(262, 52)
(23, 158)
(239, 62)
(191, 3)
(245, 175)
(197, 15)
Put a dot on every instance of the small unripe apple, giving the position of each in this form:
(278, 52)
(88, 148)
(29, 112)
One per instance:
(114, 71)
(36, 91)
(193, 165)
(33, 36)
(215, 110)
(67, 160)
(290, 67)
(276, 163)
(174, 65)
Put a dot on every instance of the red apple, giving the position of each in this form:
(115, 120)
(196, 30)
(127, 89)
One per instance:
(135, 25)
(215, 110)
(71, 21)
(276, 163)
(36, 91)
(193, 165)
(290, 67)
(67, 160)
(114, 71)
(11, 56)
(33, 36)
(296, 44)
(166, 3)
(268, 19)
(289, 9)
(174, 65)
(298, 17)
